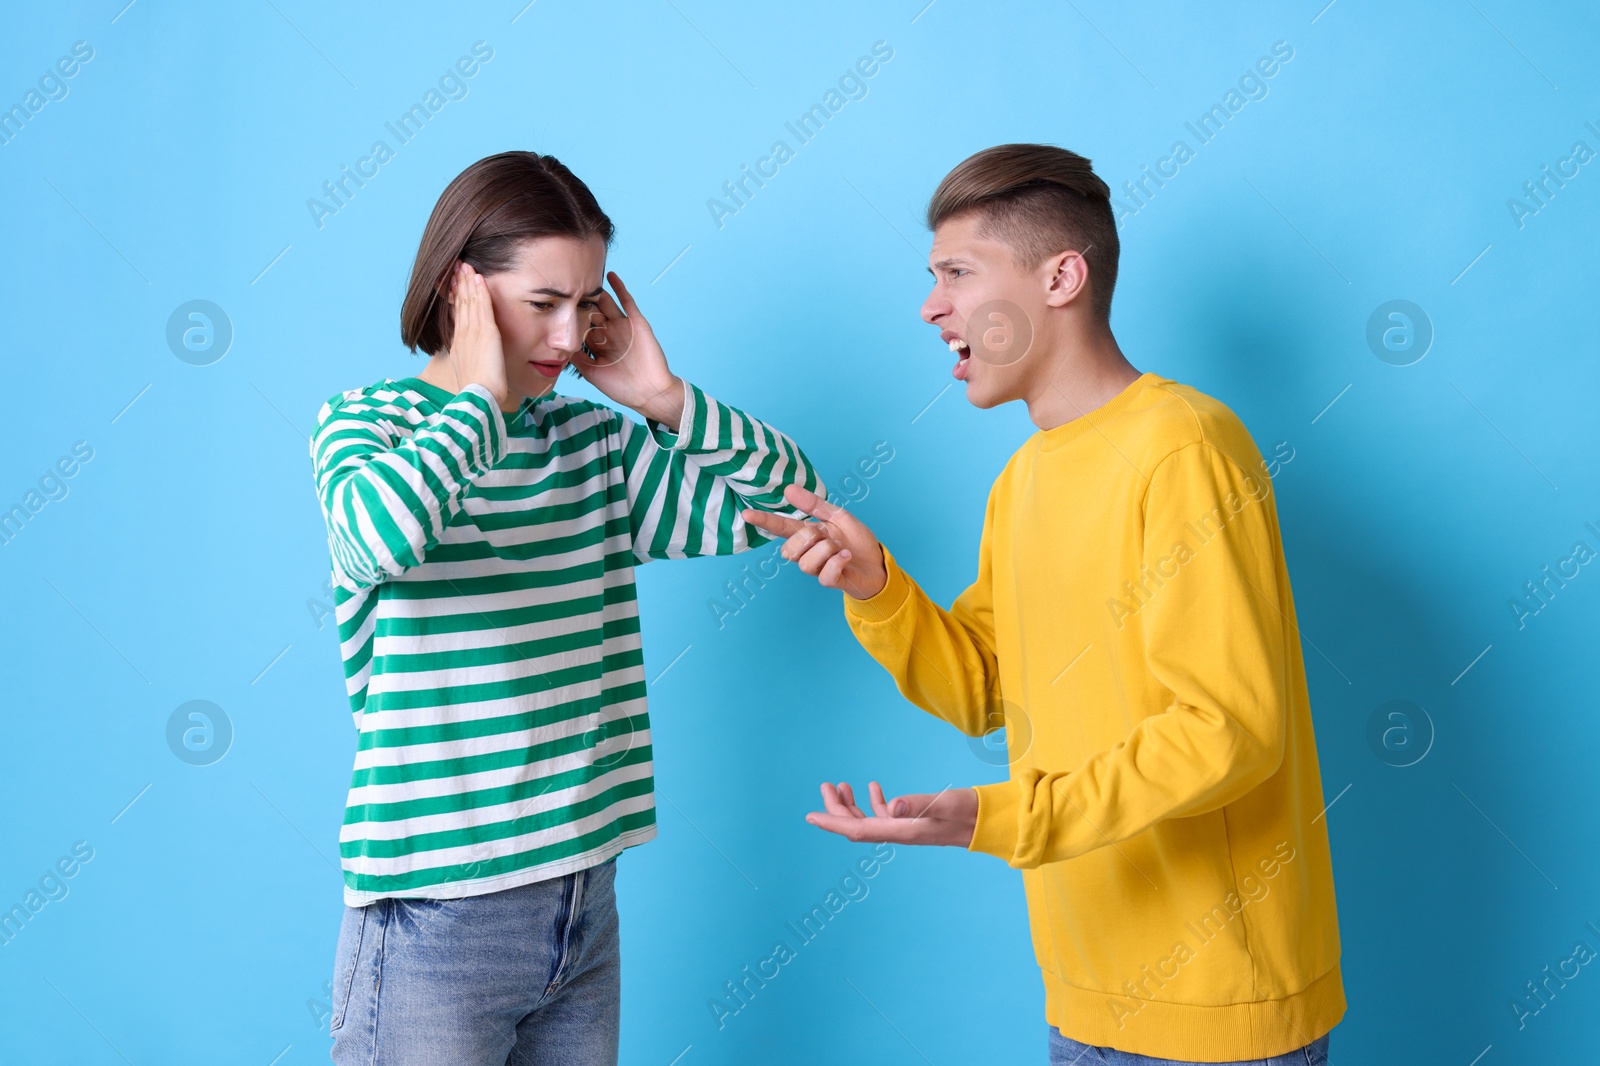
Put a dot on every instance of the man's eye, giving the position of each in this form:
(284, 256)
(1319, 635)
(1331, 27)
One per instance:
(543, 306)
(592, 305)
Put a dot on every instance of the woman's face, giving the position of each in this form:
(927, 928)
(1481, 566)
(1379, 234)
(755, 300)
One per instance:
(541, 306)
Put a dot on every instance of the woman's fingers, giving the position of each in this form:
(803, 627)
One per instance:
(612, 335)
(476, 299)
(612, 324)
(486, 308)
(594, 333)
(608, 306)
(465, 298)
(622, 292)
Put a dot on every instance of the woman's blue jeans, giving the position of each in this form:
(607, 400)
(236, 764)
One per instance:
(530, 976)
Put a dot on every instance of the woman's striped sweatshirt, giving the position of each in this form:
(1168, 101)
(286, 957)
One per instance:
(484, 591)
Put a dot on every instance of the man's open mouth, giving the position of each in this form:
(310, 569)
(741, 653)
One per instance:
(963, 355)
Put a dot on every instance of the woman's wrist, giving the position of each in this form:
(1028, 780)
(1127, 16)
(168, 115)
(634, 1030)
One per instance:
(665, 404)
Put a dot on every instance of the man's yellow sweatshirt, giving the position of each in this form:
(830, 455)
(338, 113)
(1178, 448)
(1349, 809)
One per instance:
(1131, 626)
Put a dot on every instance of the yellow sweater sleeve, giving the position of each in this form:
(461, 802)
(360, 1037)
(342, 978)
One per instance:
(942, 661)
(1214, 638)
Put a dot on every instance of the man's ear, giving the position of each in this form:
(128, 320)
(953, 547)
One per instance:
(1066, 278)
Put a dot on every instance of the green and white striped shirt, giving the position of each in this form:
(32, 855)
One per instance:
(484, 591)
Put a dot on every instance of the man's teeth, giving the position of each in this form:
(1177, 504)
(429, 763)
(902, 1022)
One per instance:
(956, 345)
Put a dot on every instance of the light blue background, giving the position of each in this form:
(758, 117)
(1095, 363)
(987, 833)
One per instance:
(181, 562)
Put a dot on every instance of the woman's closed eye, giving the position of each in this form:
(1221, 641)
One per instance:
(545, 305)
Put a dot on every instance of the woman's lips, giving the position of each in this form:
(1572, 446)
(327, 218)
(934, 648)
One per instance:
(549, 370)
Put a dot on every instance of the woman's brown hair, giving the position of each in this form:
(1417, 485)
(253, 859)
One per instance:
(482, 217)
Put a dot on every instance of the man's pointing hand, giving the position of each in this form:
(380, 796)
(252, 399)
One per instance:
(837, 549)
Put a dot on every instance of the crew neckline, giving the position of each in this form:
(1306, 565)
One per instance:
(441, 395)
(1056, 436)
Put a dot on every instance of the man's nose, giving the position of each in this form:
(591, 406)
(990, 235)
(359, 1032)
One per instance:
(935, 307)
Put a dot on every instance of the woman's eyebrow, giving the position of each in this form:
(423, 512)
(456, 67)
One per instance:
(564, 295)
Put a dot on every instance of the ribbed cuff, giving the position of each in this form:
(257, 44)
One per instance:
(691, 425)
(889, 599)
(996, 831)
(492, 446)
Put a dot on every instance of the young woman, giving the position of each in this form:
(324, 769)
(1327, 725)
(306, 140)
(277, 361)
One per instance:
(483, 530)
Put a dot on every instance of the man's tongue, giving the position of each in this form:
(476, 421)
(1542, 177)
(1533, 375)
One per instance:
(959, 371)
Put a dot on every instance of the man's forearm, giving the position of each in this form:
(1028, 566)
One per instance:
(936, 660)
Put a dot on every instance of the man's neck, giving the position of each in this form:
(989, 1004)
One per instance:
(1087, 373)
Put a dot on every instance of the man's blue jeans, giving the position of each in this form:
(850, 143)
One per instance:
(1064, 1051)
(530, 976)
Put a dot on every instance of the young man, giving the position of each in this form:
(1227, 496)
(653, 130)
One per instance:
(1132, 627)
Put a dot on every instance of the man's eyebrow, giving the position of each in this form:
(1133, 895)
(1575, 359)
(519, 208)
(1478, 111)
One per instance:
(954, 260)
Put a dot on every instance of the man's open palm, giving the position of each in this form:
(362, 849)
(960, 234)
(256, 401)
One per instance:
(837, 549)
(947, 817)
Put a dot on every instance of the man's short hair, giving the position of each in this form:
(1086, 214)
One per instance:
(1040, 200)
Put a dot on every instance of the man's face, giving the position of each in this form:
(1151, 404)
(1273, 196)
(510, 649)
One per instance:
(982, 300)
(541, 306)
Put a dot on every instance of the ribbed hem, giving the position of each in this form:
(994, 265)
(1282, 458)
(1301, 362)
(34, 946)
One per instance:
(500, 882)
(1190, 1033)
